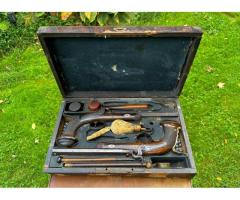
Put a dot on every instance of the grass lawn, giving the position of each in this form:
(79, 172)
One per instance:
(29, 103)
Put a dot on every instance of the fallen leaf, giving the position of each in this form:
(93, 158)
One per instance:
(1, 101)
(220, 85)
(225, 141)
(210, 69)
(33, 126)
(219, 178)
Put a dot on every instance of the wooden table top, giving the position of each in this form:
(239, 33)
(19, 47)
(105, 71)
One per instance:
(114, 181)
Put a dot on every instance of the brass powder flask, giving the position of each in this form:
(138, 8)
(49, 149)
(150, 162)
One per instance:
(118, 127)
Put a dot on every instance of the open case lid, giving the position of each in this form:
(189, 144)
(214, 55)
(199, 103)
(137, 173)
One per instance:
(120, 61)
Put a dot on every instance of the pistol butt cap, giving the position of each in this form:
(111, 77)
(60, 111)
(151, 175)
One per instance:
(66, 141)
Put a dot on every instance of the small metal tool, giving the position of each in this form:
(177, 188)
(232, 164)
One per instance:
(110, 164)
(145, 105)
(91, 159)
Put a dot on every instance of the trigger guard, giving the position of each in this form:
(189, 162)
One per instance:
(139, 153)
